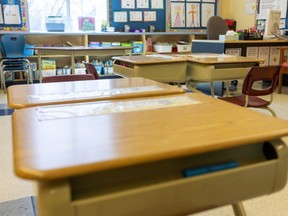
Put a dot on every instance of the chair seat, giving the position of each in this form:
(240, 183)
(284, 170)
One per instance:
(254, 101)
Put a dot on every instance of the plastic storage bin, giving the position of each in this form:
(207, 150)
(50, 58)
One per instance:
(162, 48)
(184, 48)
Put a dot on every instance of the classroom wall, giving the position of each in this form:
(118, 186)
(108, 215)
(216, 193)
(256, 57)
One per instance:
(236, 9)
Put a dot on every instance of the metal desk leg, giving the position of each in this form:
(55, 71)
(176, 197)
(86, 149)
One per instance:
(189, 85)
(227, 83)
(212, 89)
(238, 209)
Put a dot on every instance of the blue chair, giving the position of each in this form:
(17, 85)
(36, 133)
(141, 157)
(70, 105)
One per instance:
(13, 59)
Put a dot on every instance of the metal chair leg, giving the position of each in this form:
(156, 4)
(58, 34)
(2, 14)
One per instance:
(238, 209)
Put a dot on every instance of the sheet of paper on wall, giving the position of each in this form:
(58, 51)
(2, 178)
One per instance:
(149, 16)
(157, 4)
(128, 4)
(208, 10)
(252, 52)
(274, 57)
(120, 16)
(233, 51)
(263, 53)
(142, 3)
(11, 14)
(1, 15)
(136, 16)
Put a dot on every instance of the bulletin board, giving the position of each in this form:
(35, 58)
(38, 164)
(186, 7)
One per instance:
(138, 14)
(264, 5)
(190, 15)
(13, 15)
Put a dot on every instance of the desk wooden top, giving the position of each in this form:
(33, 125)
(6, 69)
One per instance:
(21, 96)
(157, 129)
(82, 48)
(208, 58)
(150, 59)
(203, 58)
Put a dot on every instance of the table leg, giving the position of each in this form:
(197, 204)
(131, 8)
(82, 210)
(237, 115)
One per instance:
(238, 209)
(227, 83)
(212, 89)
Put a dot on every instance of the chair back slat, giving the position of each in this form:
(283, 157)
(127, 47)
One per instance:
(264, 73)
(90, 69)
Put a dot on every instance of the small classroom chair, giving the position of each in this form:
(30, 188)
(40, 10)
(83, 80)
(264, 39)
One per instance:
(90, 69)
(14, 60)
(283, 67)
(250, 95)
(67, 78)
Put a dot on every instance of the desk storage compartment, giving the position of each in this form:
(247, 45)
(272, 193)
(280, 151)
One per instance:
(202, 72)
(160, 189)
(172, 72)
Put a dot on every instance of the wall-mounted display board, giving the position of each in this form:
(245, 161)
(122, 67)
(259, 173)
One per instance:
(138, 14)
(190, 15)
(264, 5)
(13, 15)
(165, 15)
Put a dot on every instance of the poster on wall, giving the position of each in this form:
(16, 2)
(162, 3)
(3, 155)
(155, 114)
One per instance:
(207, 12)
(192, 15)
(13, 15)
(264, 5)
(177, 15)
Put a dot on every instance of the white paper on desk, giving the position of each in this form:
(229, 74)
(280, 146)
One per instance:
(11, 14)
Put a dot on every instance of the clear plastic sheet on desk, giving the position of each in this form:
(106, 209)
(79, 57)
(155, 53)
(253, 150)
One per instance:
(90, 94)
(108, 107)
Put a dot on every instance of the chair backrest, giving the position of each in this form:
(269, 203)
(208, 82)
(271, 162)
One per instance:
(216, 26)
(13, 45)
(264, 73)
(90, 69)
(67, 78)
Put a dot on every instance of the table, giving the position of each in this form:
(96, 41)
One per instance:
(207, 67)
(204, 67)
(127, 157)
(162, 68)
(22, 96)
(80, 51)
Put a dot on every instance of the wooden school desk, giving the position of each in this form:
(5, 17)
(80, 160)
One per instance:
(80, 51)
(119, 158)
(162, 68)
(21, 96)
(207, 67)
(204, 67)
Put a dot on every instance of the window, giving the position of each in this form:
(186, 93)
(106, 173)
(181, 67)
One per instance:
(70, 10)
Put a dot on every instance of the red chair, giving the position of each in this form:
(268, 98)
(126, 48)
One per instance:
(90, 69)
(284, 67)
(250, 95)
(67, 78)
